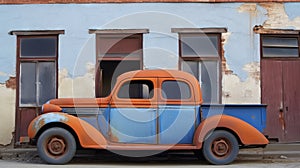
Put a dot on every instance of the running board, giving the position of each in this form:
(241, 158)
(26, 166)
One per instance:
(154, 147)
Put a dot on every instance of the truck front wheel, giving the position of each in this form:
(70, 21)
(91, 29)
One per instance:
(220, 147)
(56, 146)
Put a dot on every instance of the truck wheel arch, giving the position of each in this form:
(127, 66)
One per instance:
(60, 125)
(244, 132)
(81, 130)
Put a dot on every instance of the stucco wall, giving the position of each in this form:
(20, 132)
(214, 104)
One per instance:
(7, 114)
(240, 79)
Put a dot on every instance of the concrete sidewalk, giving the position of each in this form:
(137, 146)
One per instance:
(273, 151)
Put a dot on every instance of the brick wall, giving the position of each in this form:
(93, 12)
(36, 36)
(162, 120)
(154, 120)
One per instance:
(129, 1)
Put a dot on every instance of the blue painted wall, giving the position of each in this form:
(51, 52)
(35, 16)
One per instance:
(160, 45)
(292, 10)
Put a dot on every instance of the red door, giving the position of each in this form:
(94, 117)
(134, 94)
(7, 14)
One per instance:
(281, 92)
(291, 89)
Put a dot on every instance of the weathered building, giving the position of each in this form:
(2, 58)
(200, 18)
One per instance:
(241, 52)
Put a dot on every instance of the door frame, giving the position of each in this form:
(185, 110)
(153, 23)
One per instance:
(18, 138)
(282, 59)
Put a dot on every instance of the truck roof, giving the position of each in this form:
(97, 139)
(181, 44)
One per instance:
(158, 73)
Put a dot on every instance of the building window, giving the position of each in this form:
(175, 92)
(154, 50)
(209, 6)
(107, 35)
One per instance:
(38, 47)
(37, 57)
(280, 46)
(117, 52)
(200, 55)
(119, 46)
(38, 82)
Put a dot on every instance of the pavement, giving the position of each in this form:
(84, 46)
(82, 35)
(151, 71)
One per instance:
(271, 151)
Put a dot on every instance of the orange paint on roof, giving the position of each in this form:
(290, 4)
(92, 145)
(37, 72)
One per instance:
(157, 74)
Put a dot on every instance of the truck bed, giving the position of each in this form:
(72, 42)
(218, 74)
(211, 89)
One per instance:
(254, 114)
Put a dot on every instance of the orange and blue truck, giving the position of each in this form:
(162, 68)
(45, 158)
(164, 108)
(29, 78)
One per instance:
(148, 110)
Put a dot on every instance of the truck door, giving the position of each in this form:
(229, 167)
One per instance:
(133, 112)
(177, 114)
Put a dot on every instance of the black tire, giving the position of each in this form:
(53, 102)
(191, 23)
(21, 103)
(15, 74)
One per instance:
(56, 146)
(220, 148)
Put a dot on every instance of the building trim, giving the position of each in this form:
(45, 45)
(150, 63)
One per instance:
(36, 32)
(199, 30)
(261, 30)
(12, 2)
(118, 31)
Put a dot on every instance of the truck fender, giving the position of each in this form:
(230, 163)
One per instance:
(88, 136)
(246, 133)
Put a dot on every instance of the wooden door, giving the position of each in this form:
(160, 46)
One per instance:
(291, 97)
(281, 92)
(36, 79)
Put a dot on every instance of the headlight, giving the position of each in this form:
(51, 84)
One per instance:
(44, 104)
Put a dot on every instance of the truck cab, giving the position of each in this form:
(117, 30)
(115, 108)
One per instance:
(148, 110)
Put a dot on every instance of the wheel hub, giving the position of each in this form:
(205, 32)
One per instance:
(221, 147)
(56, 146)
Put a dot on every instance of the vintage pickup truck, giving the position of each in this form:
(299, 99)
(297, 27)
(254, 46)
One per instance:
(148, 110)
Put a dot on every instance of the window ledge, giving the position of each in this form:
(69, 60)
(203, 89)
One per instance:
(199, 30)
(118, 31)
(262, 30)
(36, 32)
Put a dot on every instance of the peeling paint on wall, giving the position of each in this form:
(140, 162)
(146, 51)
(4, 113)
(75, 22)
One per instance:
(278, 18)
(11, 83)
(80, 86)
(7, 114)
(224, 65)
(241, 92)
(249, 7)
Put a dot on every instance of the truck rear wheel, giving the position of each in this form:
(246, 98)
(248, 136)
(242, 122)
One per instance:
(56, 146)
(221, 147)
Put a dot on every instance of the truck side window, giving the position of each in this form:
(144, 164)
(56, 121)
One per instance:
(173, 89)
(136, 89)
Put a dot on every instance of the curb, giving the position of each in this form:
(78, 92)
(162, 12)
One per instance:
(17, 150)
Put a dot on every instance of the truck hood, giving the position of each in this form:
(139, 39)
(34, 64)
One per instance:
(80, 102)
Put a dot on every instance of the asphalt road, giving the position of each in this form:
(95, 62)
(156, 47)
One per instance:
(165, 161)
(237, 164)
